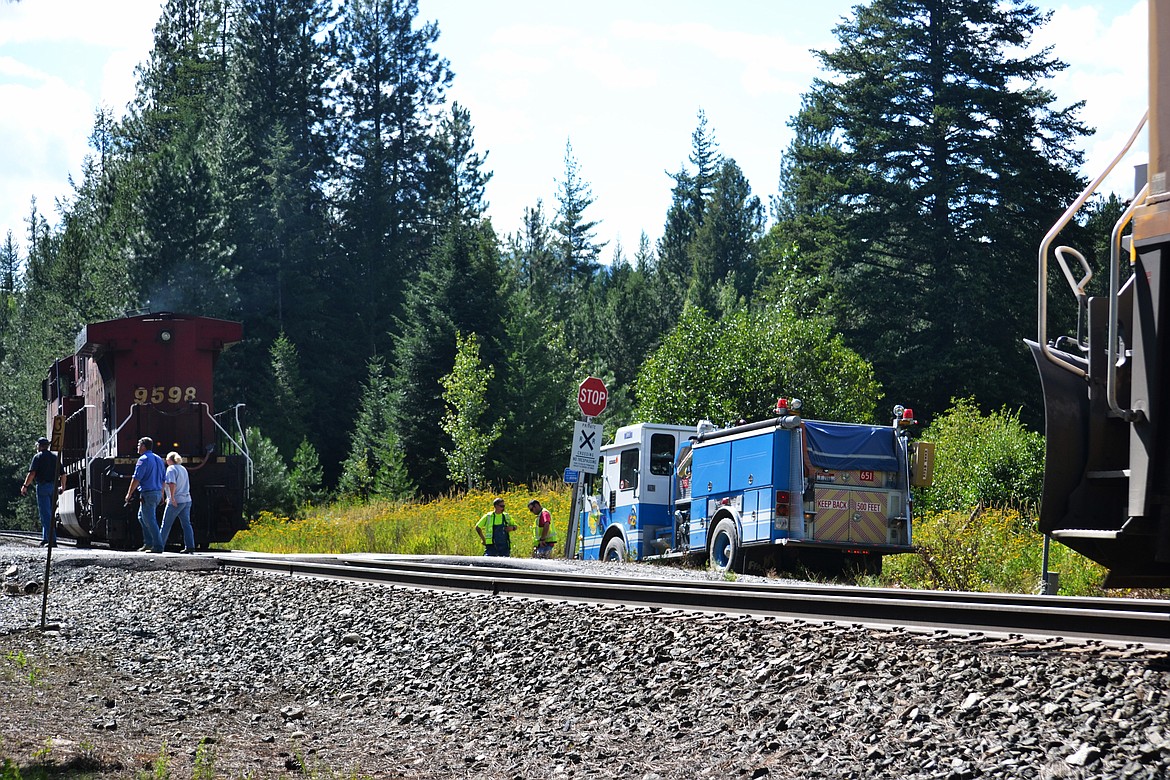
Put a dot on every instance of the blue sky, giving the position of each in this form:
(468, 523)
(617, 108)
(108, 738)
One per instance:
(622, 81)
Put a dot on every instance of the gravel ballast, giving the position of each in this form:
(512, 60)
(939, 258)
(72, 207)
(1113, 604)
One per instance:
(267, 676)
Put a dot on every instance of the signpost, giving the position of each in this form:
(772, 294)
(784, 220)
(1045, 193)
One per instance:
(592, 397)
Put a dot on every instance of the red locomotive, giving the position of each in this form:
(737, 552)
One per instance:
(150, 375)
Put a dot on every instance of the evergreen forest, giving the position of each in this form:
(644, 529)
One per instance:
(298, 166)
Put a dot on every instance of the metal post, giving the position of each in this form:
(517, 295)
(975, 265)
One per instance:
(571, 533)
(1159, 97)
(1044, 568)
(45, 589)
(1152, 220)
(53, 511)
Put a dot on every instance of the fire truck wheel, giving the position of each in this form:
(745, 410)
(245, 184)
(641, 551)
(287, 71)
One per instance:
(615, 550)
(724, 546)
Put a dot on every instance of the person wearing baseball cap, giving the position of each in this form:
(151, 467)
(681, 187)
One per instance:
(545, 534)
(43, 470)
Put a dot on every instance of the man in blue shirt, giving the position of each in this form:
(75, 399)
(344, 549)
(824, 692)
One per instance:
(148, 481)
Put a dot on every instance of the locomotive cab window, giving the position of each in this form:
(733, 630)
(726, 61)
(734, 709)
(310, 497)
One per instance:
(661, 454)
(628, 470)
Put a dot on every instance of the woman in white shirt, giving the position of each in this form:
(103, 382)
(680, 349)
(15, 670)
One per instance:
(177, 492)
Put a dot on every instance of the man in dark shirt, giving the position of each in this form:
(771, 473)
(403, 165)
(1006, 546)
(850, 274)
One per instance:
(43, 470)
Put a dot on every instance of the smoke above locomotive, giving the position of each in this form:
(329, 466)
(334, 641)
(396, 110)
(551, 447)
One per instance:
(149, 375)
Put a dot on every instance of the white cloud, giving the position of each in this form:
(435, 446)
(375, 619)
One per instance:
(768, 62)
(46, 121)
(1108, 68)
(78, 22)
(39, 143)
(118, 80)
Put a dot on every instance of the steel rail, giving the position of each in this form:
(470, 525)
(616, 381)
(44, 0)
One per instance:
(1114, 620)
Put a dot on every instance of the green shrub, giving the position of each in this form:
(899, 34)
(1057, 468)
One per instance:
(989, 461)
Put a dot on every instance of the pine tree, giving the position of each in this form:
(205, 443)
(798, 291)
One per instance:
(923, 169)
(723, 250)
(272, 491)
(460, 290)
(676, 266)
(306, 477)
(181, 253)
(630, 325)
(272, 157)
(457, 171)
(673, 268)
(578, 239)
(286, 414)
(9, 273)
(707, 160)
(388, 100)
(533, 256)
(538, 385)
(374, 465)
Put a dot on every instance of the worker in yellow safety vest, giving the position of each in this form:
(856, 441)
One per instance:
(493, 529)
(545, 534)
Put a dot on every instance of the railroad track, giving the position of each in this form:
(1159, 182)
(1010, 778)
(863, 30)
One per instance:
(22, 536)
(1112, 620)
(1139, 621)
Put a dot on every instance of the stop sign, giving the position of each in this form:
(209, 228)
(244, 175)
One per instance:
(592, 397)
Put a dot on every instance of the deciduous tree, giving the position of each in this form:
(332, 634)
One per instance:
(465, 399)
(737, 367)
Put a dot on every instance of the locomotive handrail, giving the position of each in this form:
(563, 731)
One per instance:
(240, 447)
(251, 476)
(1078, 288)
(89, 459)
(1054, 231)
(1114, 285)
(249, 471)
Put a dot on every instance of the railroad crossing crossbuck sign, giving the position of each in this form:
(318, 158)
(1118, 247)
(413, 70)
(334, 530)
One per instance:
(586, 447)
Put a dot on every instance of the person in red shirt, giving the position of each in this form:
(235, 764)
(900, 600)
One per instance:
(545, 534)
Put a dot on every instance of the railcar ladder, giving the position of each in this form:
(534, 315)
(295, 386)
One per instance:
(1107, 458)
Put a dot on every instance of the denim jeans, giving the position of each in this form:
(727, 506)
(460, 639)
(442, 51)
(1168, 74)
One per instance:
(183, 512)
(148, 503)
(45, 492)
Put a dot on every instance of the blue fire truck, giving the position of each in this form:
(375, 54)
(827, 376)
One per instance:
(772, 492)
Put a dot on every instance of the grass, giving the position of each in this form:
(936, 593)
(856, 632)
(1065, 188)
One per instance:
(19, 666)
(88, 766)
(444, 526)
(987, 550)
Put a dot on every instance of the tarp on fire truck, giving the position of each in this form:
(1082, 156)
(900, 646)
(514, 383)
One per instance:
(838, 447)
